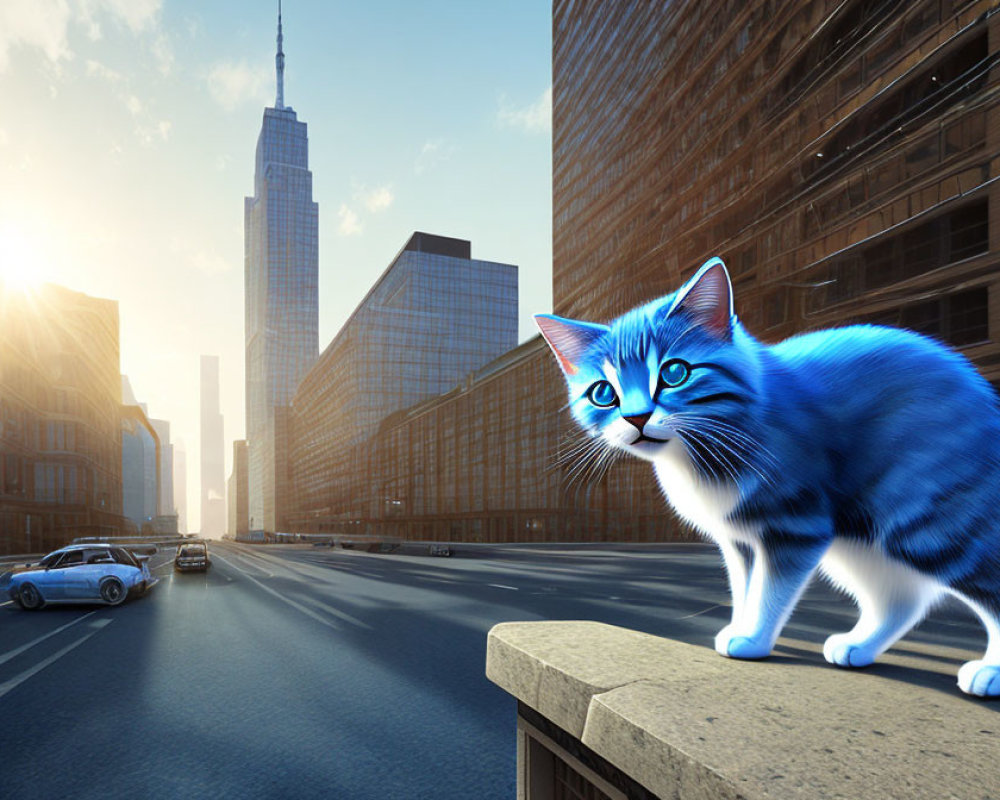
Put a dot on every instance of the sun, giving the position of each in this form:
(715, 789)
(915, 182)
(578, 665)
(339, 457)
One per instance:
(20, 260)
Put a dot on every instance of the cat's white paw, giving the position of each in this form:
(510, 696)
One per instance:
(980, 679)
(844, 651)
(732, 644)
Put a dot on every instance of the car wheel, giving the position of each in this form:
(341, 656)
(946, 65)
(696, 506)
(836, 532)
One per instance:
(113, 591)
(29, 597)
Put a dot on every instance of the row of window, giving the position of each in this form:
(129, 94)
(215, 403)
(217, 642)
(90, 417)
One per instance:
(892, 258)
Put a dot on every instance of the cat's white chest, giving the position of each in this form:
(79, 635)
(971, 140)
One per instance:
(704, 506)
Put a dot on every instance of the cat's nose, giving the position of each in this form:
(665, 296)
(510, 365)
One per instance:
(639, 420)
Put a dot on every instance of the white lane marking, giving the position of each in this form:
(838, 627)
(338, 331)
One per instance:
(338, 613)
(17, 651)
(244, 558)
(502, 586)
(8, 603)
(699, 613)
(17, 680)
(307, 611)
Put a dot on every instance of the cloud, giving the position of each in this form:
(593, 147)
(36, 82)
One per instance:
(95, 69)
(148, 130)
(534, 118)
(163, 52)
(373, 200)
(39, 24)
(137, 15)
(433, 153)
(349, 225)
(378, 199)
(44, 24)
(232, 84)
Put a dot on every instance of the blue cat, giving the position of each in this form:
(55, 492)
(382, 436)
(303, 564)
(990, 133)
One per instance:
(871, 453)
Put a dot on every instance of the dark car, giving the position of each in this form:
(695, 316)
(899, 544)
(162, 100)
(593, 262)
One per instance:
(192, 556)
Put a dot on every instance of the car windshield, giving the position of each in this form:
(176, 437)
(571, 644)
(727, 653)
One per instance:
(50, 559)
(192, 550)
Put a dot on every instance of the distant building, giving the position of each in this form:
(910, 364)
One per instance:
(180, 485)
(213, 481)
(435, 315)
(140, 464)
(282, 307)
(238, 519)
(147, 467)
(165, 504)
(60, 424)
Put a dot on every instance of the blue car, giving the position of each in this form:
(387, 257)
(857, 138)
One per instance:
(82, 573)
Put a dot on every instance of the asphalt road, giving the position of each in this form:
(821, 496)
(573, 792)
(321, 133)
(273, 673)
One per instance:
(292, 671)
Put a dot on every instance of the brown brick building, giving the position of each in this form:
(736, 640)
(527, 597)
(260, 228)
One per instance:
(60, 418)
(843, 159)
(493, 460)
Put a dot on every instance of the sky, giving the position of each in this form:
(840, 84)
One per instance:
(127, 137)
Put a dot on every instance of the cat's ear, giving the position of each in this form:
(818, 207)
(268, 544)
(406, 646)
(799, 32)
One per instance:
(708, 299)
(569, 339)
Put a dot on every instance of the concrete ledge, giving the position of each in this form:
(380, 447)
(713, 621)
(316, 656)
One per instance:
(684, 722)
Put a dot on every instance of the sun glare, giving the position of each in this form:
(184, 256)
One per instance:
(20, 264)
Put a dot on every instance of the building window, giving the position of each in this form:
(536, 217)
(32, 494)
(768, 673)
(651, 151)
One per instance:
(960, 319)
(949, 238)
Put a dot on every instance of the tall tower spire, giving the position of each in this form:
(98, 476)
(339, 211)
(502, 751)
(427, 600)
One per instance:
(279, 63)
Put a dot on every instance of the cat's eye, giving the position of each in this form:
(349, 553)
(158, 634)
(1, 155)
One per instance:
(602, 395)
(674, 372)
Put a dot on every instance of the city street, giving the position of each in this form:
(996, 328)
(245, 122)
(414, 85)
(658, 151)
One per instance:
(297, 671)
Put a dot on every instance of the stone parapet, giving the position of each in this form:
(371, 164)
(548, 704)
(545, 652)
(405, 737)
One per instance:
(639, 715)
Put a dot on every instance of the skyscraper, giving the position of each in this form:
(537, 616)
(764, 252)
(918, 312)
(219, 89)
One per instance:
(213, 479)
(281, 303)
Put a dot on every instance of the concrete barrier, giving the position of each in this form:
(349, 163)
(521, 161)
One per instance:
(638, 716)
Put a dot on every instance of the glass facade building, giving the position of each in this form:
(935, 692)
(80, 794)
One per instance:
(282, 305)
(141, 476)
(432, 318)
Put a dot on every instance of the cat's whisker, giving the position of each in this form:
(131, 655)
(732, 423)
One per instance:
(714, 447)
(715, 437)
(740, 437)
(581, 450)
(579, 470)
(699, 462)
(728, 438)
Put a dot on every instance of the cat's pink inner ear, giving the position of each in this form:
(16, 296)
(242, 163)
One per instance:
(568, 339)
(709, 300)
